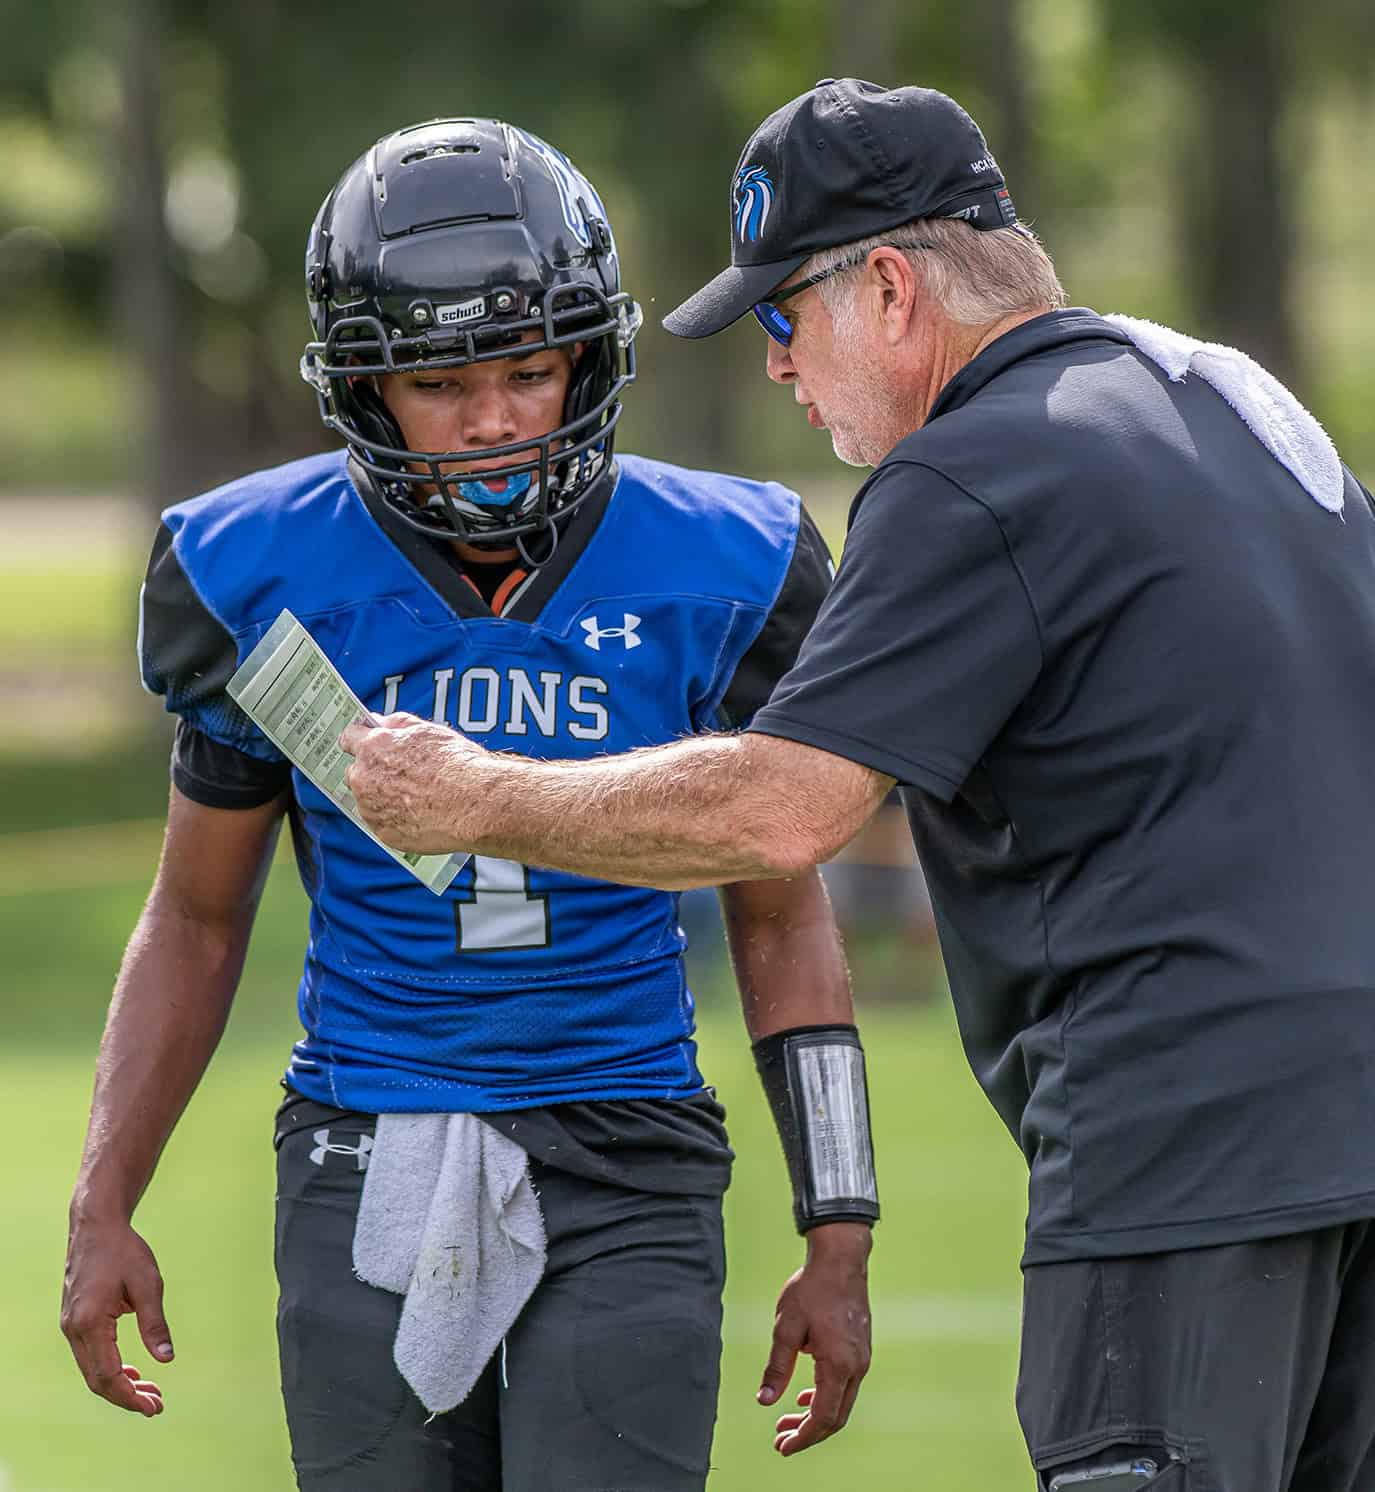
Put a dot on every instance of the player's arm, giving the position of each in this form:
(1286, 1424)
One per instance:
(170, 1005)
(794, 986)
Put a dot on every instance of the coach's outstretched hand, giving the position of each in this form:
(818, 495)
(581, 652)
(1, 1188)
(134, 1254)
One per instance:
(823, 1311)
(111, 1271)
(405, 778)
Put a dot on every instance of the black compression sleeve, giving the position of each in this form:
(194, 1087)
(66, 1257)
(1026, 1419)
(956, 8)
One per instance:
(218, 776)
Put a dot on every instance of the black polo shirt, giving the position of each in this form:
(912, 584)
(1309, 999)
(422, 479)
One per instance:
(1124, 667)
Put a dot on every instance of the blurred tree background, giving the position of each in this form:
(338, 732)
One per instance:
(1200, 162)
(1191, 160)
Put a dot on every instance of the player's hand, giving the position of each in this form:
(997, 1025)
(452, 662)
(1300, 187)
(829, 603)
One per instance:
(406, 776)
(110, 1273)
(823, 1311)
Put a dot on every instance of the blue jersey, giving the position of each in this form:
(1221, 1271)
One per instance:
(677, 599)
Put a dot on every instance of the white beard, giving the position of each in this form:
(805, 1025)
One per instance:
(859, 406)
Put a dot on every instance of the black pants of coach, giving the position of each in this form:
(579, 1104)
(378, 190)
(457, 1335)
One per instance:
(607, 1382)
(1244, 1368)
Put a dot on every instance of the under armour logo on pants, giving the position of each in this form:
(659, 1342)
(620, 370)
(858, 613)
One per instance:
(324, 1148)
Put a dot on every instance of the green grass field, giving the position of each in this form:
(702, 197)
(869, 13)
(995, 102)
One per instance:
(936, 1410)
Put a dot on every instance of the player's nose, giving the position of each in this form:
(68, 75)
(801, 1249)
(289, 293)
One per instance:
(488, 419)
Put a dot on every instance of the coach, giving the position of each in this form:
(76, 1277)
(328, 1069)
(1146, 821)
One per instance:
(1107, 614)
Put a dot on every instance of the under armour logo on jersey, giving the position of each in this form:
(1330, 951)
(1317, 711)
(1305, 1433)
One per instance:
(324, 1148)
(628, 632)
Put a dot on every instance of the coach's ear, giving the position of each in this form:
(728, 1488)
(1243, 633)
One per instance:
(896, 289)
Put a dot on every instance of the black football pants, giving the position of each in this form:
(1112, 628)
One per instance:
(1243, 1368)
(607, 1381)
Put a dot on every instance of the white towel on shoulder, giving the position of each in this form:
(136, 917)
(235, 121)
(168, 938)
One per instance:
(1274, 416)
(450, 1220)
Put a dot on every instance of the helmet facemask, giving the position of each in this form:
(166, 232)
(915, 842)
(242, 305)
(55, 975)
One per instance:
(401, 312)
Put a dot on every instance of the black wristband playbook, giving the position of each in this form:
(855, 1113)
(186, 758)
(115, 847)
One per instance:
(814, 1079)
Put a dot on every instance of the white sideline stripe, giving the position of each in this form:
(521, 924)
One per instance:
(985, 1320)
(73, 859)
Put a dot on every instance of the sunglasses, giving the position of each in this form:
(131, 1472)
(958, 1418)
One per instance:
(779, 324)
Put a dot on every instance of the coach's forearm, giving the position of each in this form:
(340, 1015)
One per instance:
(169, 1010)
(696, 813)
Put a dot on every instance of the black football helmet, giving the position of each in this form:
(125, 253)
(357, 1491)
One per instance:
(441, 246)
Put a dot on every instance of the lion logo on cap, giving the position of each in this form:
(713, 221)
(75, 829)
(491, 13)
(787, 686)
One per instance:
(753, 198)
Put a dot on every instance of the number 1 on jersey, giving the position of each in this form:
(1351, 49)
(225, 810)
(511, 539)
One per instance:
(499, 911)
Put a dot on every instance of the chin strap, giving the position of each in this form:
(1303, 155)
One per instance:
(531, 563)
(815, 1082)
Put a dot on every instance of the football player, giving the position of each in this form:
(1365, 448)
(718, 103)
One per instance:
(476, 553)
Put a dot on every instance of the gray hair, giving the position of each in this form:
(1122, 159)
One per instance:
(976, 276)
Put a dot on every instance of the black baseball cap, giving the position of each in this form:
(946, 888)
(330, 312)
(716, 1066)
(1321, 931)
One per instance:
(843, 161)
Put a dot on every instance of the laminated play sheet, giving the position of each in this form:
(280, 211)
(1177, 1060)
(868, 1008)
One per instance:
(296, 697)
